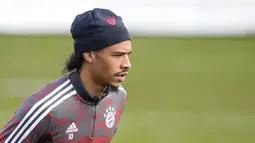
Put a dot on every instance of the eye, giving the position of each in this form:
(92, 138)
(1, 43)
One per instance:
(118, 55)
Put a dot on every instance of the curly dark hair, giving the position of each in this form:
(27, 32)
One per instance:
(73, 63)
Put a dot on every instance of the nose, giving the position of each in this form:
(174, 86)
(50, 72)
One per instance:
(126, 64)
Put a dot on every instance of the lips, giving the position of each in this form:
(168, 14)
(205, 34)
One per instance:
(121, 76)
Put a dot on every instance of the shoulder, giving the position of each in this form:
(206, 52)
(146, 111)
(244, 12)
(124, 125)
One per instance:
(52, 87)
(47, 93)
(118, 93)
(46, 98)
(123, 95)
(122, 89)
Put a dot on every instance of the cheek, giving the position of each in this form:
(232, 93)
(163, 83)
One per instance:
(101, 68)
(108, 66)
(109, 62)
(98, 68)
(113, 65)
(109, 70)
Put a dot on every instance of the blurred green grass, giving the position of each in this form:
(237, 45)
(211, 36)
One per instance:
(181, 90)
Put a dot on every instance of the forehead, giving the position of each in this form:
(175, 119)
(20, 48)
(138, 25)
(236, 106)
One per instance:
(120, 47)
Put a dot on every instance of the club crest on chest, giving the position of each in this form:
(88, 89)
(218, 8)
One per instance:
(109, 116)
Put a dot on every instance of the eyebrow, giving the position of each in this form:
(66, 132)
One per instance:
(121, 52)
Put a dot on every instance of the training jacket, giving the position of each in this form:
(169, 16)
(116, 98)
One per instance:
(63, 112)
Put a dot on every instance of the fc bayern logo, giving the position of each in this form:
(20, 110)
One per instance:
(110, 20)
(110, 117)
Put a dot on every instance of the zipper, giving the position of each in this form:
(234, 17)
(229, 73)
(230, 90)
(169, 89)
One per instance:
(96, 100)
(93, 122)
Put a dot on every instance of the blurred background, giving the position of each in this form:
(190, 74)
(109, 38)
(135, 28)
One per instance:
(192, 77)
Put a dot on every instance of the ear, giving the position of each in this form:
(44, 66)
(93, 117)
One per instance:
(88, 56)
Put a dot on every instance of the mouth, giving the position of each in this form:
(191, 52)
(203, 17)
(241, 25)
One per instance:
(121, 76)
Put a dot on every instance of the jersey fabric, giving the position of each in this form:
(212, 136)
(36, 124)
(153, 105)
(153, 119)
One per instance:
(63, 112)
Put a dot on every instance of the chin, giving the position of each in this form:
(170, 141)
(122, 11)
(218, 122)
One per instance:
(116, 84)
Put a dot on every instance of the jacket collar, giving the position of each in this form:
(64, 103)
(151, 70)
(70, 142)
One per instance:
(81, 90)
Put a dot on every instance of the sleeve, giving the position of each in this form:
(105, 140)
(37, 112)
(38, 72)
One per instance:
(28, 124)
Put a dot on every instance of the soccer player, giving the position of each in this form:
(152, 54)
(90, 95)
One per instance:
(87, 102)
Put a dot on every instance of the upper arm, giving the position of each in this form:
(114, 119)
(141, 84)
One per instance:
(28, 123)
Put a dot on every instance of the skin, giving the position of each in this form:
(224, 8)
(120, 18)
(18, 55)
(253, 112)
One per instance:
(108, 66)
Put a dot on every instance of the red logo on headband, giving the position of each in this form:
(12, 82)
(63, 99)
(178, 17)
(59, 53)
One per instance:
(111, 20)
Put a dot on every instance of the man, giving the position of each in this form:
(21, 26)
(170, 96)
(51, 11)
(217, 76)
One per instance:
(85, 105)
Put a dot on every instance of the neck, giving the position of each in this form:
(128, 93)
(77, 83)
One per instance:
(89, 83)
